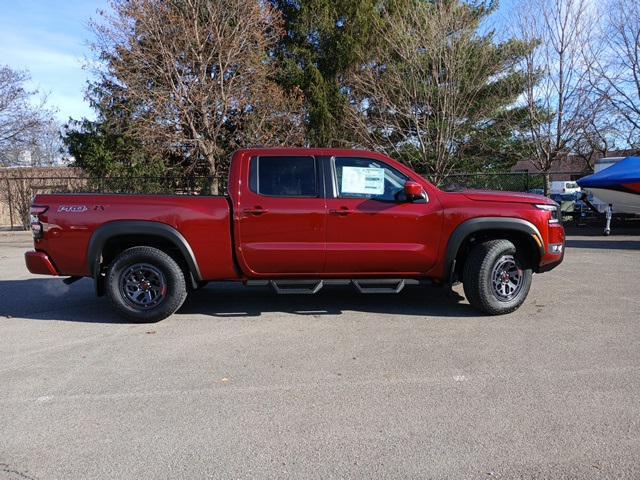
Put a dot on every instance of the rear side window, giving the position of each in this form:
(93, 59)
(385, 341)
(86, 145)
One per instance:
(284, 176)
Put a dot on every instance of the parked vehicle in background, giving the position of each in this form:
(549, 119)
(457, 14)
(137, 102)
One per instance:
(564, 187)
(567, 202)
(299, 219)
(572, 205)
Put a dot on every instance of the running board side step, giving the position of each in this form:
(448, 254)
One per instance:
(311, 286)
(379, 286)
(296, 287)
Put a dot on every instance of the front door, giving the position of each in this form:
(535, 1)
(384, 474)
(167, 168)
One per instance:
(372, 227)
(282, 217)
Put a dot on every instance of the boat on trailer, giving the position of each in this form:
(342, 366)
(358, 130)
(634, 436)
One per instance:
(616, 187)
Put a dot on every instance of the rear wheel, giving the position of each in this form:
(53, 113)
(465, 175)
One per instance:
(495, 279)
(145, 284)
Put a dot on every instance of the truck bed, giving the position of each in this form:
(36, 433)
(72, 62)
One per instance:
(71, 221)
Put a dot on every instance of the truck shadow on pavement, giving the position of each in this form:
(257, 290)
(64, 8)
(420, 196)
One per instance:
(603, 244)
(236, 301)
(50, 299)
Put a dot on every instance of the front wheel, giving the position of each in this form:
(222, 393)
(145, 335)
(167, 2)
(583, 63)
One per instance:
(495, 279)
(145, 284)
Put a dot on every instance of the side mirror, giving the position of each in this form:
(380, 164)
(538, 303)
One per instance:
(414, 191)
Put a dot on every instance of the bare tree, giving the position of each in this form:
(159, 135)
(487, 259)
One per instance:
(47, 147)
(198, 77)
(599, 132)
(558, 86)
(616, 63)
(38, 147)
(21, 121)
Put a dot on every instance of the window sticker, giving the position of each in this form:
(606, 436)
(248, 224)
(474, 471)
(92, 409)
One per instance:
(362, 180)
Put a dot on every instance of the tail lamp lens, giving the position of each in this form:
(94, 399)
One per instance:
(36, 225)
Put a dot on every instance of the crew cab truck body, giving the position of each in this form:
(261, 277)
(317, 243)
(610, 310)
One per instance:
(299, 219)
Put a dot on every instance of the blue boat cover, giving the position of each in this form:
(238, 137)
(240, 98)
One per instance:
(623, 172)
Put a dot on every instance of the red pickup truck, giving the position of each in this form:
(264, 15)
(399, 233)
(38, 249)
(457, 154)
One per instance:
(299, 219)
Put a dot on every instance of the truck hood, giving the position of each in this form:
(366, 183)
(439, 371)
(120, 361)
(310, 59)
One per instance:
(507, 197)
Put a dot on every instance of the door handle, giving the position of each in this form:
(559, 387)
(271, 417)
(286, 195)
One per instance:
(341, 211)
(254, 211)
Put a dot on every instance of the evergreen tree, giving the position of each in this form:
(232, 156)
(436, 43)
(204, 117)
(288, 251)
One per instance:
(105, 147)
(324, 39)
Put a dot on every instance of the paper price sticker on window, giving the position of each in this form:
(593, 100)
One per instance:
(362, 180)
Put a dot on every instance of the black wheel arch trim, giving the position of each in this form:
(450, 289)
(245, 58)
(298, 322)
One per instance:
(138, 227)
(475, 225)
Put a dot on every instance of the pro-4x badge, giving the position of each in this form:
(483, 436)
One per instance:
(72, 208)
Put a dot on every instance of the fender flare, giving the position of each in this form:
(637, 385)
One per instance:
(138, 227)
(474, 225)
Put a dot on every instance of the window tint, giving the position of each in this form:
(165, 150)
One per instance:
(283, 176)
(367, 178)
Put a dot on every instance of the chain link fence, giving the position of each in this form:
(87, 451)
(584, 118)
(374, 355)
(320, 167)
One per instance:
(17, 191)
(510, 182)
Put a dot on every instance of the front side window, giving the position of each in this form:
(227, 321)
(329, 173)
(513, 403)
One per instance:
(283, 176)
(369, 179)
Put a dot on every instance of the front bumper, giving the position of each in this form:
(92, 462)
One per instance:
(39, 263)
(551, 264)
(550, 260)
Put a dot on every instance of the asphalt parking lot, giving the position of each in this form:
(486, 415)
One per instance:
(245, 384)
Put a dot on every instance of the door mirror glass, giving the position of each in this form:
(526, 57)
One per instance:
(414, 191)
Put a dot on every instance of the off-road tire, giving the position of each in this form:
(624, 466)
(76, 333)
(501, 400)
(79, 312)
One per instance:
(478, 281)
(175, 291)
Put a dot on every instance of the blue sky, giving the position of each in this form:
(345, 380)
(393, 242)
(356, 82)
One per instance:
(51, 38)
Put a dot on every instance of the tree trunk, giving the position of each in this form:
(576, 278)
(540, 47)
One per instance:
(214, 185)
(213, 180)
(547, 184)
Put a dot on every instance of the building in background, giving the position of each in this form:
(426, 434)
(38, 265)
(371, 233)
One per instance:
(571, 167)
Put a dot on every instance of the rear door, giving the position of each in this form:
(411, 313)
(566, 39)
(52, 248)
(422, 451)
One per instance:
(282, 217)
(372, 227)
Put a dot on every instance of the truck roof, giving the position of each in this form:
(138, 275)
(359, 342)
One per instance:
(346, 152)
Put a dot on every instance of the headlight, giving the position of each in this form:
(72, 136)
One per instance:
(555, 218)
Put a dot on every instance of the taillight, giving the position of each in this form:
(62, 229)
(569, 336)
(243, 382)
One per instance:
(36, 226)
